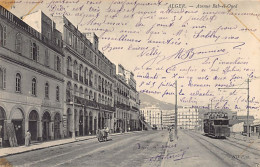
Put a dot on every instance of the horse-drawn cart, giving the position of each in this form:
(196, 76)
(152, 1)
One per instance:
(102, 135)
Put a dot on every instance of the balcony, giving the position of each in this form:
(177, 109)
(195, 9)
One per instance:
(76, 76)
(69, 73)
(94, 104)
(134, 108)
(106, 107)
(123, 106)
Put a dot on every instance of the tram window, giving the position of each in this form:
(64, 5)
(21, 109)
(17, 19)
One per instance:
(221, 122)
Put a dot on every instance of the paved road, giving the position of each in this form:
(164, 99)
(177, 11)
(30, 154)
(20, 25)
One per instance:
(134, 149)
(143, 149)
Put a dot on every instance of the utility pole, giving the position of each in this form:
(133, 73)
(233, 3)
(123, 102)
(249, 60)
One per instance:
(161, 121)
(158, 119)
(176, 110)
(150, 118)
(211, 105)
(248, 131)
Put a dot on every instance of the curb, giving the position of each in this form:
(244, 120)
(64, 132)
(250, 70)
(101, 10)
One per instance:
(165, 153)
(77, 140)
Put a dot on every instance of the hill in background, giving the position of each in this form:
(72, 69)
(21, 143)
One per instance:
(148, 101)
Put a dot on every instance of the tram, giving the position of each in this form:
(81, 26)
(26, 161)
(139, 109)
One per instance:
(216, 124)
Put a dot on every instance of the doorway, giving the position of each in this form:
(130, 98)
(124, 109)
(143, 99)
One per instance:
(46, 119)
(18, 122)
(33, 125)
(57, 126)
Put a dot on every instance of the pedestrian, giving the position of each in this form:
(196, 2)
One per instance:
(107, 130)
(27, 138)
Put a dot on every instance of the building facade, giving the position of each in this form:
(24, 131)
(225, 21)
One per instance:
(126, 101)
(31, 80)
(55, 82)
(188, 118)
(153, 116)
(168, 118)
(89, 80)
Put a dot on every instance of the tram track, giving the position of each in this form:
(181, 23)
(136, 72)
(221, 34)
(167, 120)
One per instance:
(243, 146)
(220, 153)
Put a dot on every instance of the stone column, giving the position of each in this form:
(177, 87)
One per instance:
(26, 126)
(39, 130)
(51, 129)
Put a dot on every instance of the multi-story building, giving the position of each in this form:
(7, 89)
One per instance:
(153, 116)
(89, 80)
(134, 101)
(188, 118)
(126, 100)
(55, 82)
(168, 118)
(31, 78)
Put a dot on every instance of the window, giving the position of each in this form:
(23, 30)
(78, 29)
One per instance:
(90, 78)
(99, 83)
(80, 70)
(75, 90)
(86, 76)
(75, 67)
(81, 92)
(2, 78)
(57, 64)
(34, 86)
(84, 51)
(68, 91)
(46, 63)
(95, 81)
(73, 41)
(81, 48)
(70, 38)
(76, 43)
(18, 43)
(57, 93)
(18, 83)
(46, 90)
(34, 52)
(2, 35)
(86, 93)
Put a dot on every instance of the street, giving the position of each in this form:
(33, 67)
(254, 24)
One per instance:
(133, 149)
(146, 149)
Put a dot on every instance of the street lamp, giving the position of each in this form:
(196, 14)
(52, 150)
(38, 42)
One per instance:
(142, 118)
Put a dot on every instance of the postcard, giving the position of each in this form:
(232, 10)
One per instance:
(129, 83)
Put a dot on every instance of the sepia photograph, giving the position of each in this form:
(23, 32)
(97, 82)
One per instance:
(129, 83)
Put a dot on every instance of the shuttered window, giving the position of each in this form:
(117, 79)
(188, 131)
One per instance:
(2, 78)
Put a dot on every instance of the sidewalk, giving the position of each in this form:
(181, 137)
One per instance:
(41, 145)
